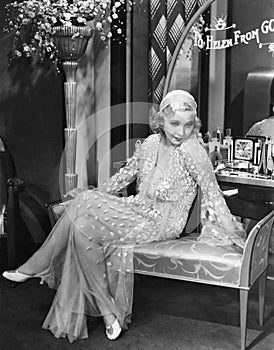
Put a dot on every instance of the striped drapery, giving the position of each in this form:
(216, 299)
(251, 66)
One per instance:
(168, 19)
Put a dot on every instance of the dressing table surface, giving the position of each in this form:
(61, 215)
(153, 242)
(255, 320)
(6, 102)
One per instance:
(246, 180)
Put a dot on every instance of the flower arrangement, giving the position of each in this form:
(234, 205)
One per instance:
(34, 22)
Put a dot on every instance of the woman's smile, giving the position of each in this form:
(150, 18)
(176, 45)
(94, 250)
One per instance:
(179, 126)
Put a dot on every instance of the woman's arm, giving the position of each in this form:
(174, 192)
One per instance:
(125, 175)
(219, 226)
(255, 130)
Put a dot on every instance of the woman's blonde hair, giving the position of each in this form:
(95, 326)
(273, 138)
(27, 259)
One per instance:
(173, 101)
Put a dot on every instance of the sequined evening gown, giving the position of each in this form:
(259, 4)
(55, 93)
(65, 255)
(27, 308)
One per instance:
(88, 256)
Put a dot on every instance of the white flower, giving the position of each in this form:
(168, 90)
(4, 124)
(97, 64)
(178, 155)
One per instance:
(26, 48)
(45, 26)
(67, 23)
(18, 53)
(73, 8)
(31, 14)
(67, 16)
(37, 36)
(81, 20)
(42, 15)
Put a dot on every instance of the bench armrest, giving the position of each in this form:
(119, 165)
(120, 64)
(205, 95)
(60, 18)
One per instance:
(255, 255)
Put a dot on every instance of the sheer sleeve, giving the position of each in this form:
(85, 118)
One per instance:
(219, 227)
(255, 130)
(127, 174)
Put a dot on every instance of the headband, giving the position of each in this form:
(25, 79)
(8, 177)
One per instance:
(177, 99)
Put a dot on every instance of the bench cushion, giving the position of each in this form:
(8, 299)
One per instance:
(188, 259)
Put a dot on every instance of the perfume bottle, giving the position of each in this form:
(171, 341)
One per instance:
(270, 155)
(219, 134)
(257, 151)
(213, 142)
(262, 168)
(215, 157)
(228, 142)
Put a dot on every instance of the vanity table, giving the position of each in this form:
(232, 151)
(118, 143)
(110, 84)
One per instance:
(255, 197)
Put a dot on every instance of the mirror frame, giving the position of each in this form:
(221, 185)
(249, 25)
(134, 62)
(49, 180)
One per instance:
(176, 52)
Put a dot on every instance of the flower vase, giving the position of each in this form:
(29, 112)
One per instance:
(71, 43)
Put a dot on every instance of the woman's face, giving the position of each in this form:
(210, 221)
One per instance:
(179, 126)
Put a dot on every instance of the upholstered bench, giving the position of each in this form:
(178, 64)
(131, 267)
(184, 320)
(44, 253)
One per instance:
(187, 259)
(190, 260)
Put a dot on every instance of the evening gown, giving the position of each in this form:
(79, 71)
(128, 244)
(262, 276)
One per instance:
(88, 256)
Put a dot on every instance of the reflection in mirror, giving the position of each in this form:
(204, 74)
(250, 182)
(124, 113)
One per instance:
(196, 65)
(218, 76)
(186, 69)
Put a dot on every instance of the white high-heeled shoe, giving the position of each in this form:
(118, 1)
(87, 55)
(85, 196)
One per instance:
(15, 276)
(113, 331)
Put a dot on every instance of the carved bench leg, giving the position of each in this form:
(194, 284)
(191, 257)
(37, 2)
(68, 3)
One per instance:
(243, 316)
(262, 282)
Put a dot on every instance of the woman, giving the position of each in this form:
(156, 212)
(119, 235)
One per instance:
(88, 257)
(264, 127)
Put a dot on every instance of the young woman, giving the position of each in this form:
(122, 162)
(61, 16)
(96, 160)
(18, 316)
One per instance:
(88, 256)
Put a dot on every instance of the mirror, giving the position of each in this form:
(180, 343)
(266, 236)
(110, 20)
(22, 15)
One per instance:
(224, 44)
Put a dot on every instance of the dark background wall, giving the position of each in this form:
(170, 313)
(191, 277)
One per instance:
(31, 119)
(242, 59)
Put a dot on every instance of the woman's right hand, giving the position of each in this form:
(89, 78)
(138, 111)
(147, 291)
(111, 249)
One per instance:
(73, 193)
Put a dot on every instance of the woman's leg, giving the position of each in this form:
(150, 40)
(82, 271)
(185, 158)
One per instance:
(84, 286)
(76, 259)
(54, 246)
